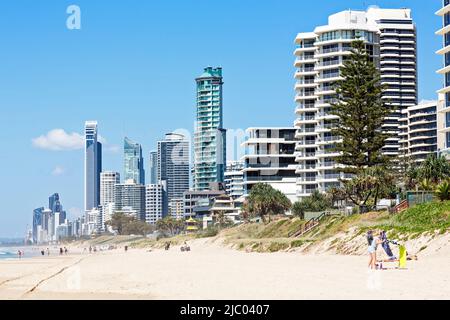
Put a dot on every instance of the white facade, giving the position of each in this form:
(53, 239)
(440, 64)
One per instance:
(153, 203)
(418, 131)
(389, 36)
(108, 181)
(444, 93)
(234, 179)
(270, 158)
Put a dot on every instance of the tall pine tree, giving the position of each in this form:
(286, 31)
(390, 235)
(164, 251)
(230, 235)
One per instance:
(361, 112)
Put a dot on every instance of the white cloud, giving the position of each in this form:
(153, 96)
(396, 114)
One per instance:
(59, 140)
(58, 171)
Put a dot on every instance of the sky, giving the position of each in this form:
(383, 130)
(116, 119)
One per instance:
(132, 67)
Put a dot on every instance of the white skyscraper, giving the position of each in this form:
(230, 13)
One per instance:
(108, 181)
(154, 195)
(390, 38)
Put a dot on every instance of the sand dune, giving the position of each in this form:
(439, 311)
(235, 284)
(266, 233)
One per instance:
(210, 271)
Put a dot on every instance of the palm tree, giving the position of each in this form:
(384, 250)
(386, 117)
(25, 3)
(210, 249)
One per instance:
(435, 169)
(443, 191)
(265, 201)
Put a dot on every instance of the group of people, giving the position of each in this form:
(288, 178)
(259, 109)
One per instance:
(62, 251)
(374, 240)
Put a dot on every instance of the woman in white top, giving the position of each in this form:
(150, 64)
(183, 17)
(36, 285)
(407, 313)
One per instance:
(373, 243)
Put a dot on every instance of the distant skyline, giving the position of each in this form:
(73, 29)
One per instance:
(132, 67)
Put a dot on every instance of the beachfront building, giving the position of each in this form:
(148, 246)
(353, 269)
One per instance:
(270, 158)
(234, 179)
(153, 164)
(154, 203)
(133, 162)
(210, 136)
(390, 39)
(92, 166)
(198, 203)
(130, 196)
(444, 92)
(418, 132)
(173, 170)
(223, 207)
(108, 181)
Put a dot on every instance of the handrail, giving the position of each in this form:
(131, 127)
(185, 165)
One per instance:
(310, 224)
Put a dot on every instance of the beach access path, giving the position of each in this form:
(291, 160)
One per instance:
(211, 271)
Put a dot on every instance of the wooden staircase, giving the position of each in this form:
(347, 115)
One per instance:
(400, 207)
(310, 225)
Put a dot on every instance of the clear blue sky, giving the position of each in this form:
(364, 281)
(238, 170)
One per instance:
(132, 68)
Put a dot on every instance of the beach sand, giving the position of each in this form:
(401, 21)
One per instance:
(211, 271)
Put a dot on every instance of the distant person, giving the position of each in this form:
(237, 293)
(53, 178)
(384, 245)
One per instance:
(61, 251)
(43, 252)
(48, 251)
(90, 249)
(126, 248)
(19, 253)
(65, 250)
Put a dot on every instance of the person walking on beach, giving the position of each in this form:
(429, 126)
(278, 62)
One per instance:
(48, 251)
(19, 253)
(60, 251)
(90, 249)
(373, 242)
(65, 250)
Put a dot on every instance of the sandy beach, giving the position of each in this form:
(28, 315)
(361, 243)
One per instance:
(211, 271)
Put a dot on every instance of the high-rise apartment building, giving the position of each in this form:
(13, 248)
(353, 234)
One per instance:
(130, 196)
(390, 39)
(173, 169)
(418, 132)
(92, 166)
(210, 136)
(234, 179)
(444, 93)
(133, 162)
(270, 158)
(108, 182)
(154, 197)
(153, 164)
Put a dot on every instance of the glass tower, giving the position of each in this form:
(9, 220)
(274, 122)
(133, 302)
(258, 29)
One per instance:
(92, 166)
(37, 221)
(153, 167)
(55, 205)
(133, 162)
(210, 136)
(173, 168)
